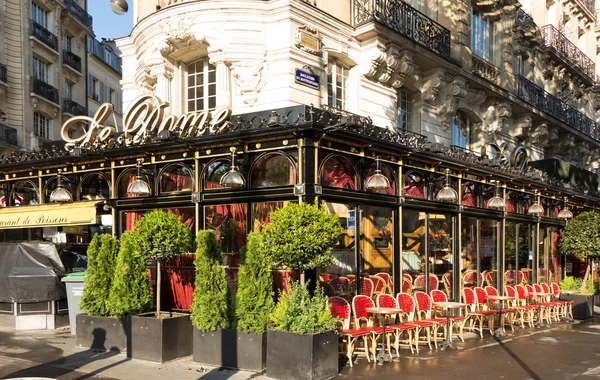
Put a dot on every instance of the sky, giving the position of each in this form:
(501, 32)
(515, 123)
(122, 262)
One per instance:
(106, 23)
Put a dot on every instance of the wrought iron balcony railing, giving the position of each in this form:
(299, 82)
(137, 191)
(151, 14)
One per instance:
(8, 134)
(44, 35)
(404, 19)
(568, 52)
(79, 13)
(73, 108)
(43, 89)
(550, 104)
(3, 73)
(72, 60)
(523, 18)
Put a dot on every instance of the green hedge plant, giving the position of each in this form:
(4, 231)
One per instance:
(130, 291)
(210, 306)
(161, 235)
(254, 298)
(101, 254)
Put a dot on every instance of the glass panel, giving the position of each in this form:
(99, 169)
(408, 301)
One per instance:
(229, 223)
(176, 178)
(487, 251)
(440, 252)
(543, 256)
(526, 251)
(24, 193)
(261, 213)
(214, 172)
(469, 252)
(554, 264)
(338, 172)
(413, 248)
(376, 240)
(414, 184)
(53, 184)
(388, 173)
(274, 169)
(186, 214)
(127, 177)
(510, 253)
(95, 186)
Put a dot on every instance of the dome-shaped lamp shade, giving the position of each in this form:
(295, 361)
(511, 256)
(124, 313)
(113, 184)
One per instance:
(377, 181)
(139, 187)
(233, 179)
(60, 195)
(496, 202)
(447, 193)
(565, 214)
(535, 208)
(120, 7)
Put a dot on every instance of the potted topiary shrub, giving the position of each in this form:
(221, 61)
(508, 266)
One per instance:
(302, 343)
(583, 299)
(95, 329)
(210, 306)
(581, 238)
(161, 336)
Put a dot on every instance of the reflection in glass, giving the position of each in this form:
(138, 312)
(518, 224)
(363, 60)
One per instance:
(214, 172)
(127, 177)
(25, 193)
(186, 215)
(176, 178)
(376, 240)
(414, 184)
(95, 187)
(487, 251)
(542, 275)
(554, 264)
(261, 213)
(338, 171)
(440, 251)
(388, 173)
(273, 169)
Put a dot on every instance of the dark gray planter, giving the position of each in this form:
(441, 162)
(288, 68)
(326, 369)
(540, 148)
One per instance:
(583, 307)
(231, 349)
(103, 333)
(297, 357)
(160, 339)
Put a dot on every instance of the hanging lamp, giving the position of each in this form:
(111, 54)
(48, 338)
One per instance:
(536, 208)
(377, 181)
(565, 213)
(447, 193)
(233, 179)
(139, 186)
(60, 194)
(119, 7)
(497, 201)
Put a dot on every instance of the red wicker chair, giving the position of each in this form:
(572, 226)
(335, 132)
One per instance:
(490, 277)
(523, 303)
(386, 300)
(556, 305)
(408, 277)
(547, 308)
(471, 279)
(386, 279)
(360, 304)
(455, 320)
(482, 305)
(447, 281)
(419, 282)
(379, 285)
(327, 289)
(474, 315)
(406, 285)
(340, 308)
(425, 313)
(407, 304)
(527, 274)
(366, 287)
(567, 309)
(507, 308)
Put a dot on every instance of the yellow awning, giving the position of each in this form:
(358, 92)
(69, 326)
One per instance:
(49, 215)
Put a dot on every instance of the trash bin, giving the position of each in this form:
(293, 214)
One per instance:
(75, 285)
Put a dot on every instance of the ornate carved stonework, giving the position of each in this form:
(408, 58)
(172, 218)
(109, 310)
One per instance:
(390, 66)
(450, 96)
(522, 128)
(250, 79)
(474, 99)
(432, 81)
(308, 39)
(579, 152)
(177, 33)
(494, 113)
(145, 81)
(375, 61)
(564, 146)
(593, 98)
(542, 136)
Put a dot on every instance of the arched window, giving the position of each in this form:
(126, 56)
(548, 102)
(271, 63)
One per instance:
(24, 193)
(176, 178)
(338, 171)
(213, 173)
(94, 186)
(387, 171)
(414, 184)
(273, 169)
(125, 178)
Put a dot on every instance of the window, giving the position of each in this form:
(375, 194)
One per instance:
(404, 110)
(201, 86)
(337, 81)
(95, 89)
(68, 42)
(68, 91)
(460, 130)
(519, 68)
(40, 70)
(111, 96)
(39, 15)
(41, 126)
(482, 37)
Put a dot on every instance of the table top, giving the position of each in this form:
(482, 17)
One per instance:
(450, 305)
(383, 310)
(501, 298)
(543, 294)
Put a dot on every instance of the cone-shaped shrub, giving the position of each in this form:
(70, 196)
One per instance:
(130, 290)
(254, 298)
(102, 254)
(210, 304)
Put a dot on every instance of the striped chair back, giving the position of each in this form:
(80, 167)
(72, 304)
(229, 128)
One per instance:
(340, 309)
(406, 285)
(360, 304)
(379, 284)
(366, 287)
(407, 304)
(424, 303)
(491, 291)
(438, 296)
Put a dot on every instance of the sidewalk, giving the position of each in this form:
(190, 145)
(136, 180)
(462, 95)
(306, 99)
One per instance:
(561, 351)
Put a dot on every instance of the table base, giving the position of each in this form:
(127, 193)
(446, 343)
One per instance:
(448, 345)
(500, 332)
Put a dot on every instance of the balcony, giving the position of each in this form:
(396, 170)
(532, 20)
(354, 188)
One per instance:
(3, 73)
(567, 52)
(44, 35)
(405, 20)
(43, 89)
(8, 135)
(484, 69)
(79, 13)
(523, 18)
(553, 106)
(73, 108)
(72, 60)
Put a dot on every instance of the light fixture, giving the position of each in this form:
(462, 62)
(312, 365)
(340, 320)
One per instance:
(536, 208)
(447, 194)
(496, 201)
(377, 181)
(233, 179)
(60, 194)
(565, 213)
(120, 7)
(139, 186)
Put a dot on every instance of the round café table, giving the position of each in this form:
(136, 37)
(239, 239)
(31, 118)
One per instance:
(383, 355)
(447, 306)
(500, 331)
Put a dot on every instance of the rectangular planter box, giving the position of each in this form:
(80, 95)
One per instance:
(103, 333)
(160, 339)
(583, 308)
(297, 357)
(231, 349)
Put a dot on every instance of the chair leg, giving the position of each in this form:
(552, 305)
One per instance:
(350, 349)
(417, 333)
(428, 332)
(366, 345)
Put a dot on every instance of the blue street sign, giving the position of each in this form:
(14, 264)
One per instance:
(307, 79)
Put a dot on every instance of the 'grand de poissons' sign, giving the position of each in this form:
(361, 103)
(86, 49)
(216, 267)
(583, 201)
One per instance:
(144, 117)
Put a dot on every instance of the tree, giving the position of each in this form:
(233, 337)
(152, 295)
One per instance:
(161, 235)
(301, 236)
(254, 298)
(101, 253)
(129, 293)
(581, 238)
(210, 309)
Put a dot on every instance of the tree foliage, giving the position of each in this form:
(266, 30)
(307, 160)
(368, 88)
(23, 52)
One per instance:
(130, 290)
(210, 304)
(300, 313)
(581, 236)
(301, 236)
(162, 235)
(254, 298)
(101, 253)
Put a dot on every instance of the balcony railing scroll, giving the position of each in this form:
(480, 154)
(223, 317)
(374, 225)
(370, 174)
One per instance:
(72, 60)
(73, 108)
(3, 73)
(404, 19)
(8, 134)
(568, 52)
(523, 18)
(43, 89)
(79, 13)
(555, 107)
(44, 35)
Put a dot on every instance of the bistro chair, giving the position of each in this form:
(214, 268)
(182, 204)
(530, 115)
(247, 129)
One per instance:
(419, 283)
(386, 300)
(447, 281)
(344, 283)
(384, 276)
(366, 287)
(408, 277)
(483, 306)
(527, 274)
(547, 308)
(336, 283)
(567, 305)
(533, 300)
(474, 314)
(390, 285)
(455, 320)
(524, 302)
(470, 279)
(406, 285)
(407, 304)
(328, 290)
(362, 318)
(325, 277)
(340, 309)
(490, 277)
(510, 276)
(557, 306)
(521, 311)
(507, 308)
(425, 313)
(379, 285)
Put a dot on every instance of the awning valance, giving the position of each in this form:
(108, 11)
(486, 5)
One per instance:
(50, 215)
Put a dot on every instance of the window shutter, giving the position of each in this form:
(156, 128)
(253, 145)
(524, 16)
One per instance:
(90, 86)
(102, 92)
(119, 104)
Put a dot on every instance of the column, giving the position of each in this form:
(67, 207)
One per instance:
(223, 84)
(164, 75)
